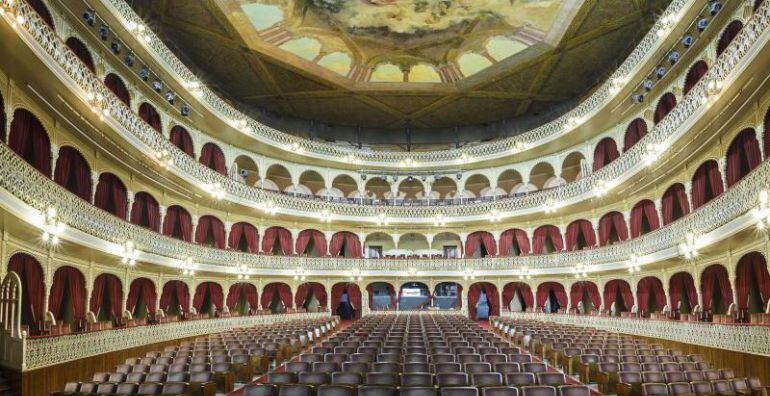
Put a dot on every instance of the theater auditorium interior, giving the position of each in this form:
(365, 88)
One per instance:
(385, 197)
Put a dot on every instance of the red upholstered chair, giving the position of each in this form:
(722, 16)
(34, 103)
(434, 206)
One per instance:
(418, 391)
(377, 390)
(313, 378)
(499, 391)
(654, 389)
(416, 379)
(574, 390)
(347, 378)
(451, 379)
(459, 391)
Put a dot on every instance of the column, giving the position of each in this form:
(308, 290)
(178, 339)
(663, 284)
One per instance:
(722, 161)
(463, 239)
(496, 235)
(129, 204)
(94, 183)
(126, 288)
(328, 235)
(194, 221)
(688, 191)
(733, 276)
(261, 230)
(162, 212)
(158, 292)
(463, 294)
(659, 209)
(228, 227)
(193, 288)
(627, 218)
(429, 188)
(634, 285)
(601, 287)
(396, 238)
(429, 237)
(362, 238)
(54, 158)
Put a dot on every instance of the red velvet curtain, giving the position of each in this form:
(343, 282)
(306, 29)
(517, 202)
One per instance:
(348, 240)
(696, 72)
(31, 274)
(509, 237)
(743, 156)
(283, 291)
(636, 130)
(182, 140)
(30, 141)
(544, 289)
(474, 292)
(604, 153)
(715, 275)
(474, 241)
(612, 221)
(107, 284)
(73, 173)
(142, 288)
(575, 229)
(150, 116)
(543, 233)
(175, 288)
(707, 174)
(210, 226)
(215, 295)
(677, 282)
(643, 211)
(213, 158)
(248, 290)
(145, 211)
(752, 266)
(81, 51)
(178, 215)
(42, 11)
(354, 294)
(666, 103)
(116, 85)
(611, 290)
(580, 288)
(766, 134)
(244, 230)
(111, 195)
(284, 237)
(71, 278)
(509, 291)
(2, 119)
(650, 286)
(319, 240)
(728, 35)
(318, 291)
(673, 194)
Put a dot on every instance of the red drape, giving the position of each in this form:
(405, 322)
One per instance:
(612, 221)
(391, 293)
(354, 294)
(142, 288)
(696, 72)
(643, 211)
(42, 11)
(30, 141)
(611, 290)
(666, 103)
(178, 215)
(677, 282)
(675, 194)
(513, 236)
(213, 158)
(604, 153)
(767, 135)
(182, 140)
(283, 291)
(247, 231)
(150, 116)
(544, 289)
(509, 291)
(752, 266)
(318, 291)
(474, 241)
(248, 290)
(111, 195)
(303, 240)
(2, 119)
(492, 297)
(210, 227)
(348, 240)
(116, 85)
(575, 230)
(715, 275)
(728, 35)
(707, 175)
(145, 211)
(544, 233)
(31, 274)
(81, 51)
(215, 295)
(579, 288)
(743, 156)
(107, 284)
(71, 278)
(650, 286)
(284, 237)
(175, 288)
(636, 130)
(73, 173)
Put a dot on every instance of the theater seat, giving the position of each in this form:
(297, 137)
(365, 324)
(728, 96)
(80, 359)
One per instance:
(416, 380)
(499, 391)
(447, 368)
(313, 378)
(552, 379)
(459, 391)
(417, 391)
(654, 389)
(347, 378)
(297, 367)
(377, 390)
(382, 379)
(487, 379)
(333, 390)
(519, 379)
(451, 379)
(505, 368)
(281, 378)
(702, 388)
(416, 368)
(723, 387)
(386, 367)
(106, 388)
(534, 367)
(260, 390)
(574, 390)
(295, 390)
(174, 388)
(355, 367)
(538, 390)
(149, 389)
(679, 388)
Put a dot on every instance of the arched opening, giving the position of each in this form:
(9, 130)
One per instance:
(480, 244)
(650, 297)
(107, 298)
(411, 188)
(612, 229)
(743, 156)
(540, 174)
(310, 182)
(311, 243)
(572, 167)
(675, 203)
(30, 273)
(447, 295)
(248, 172)
(715, 290)
(413, 296)
(547, 239)
(213, 158)
(644, 218)
(277, 241)
(141, 299)
(182, 140)
(345, 244)
(636, 130)
(514, 242)
(346, 300)
(551, 297)
(210, 232)
(111, 195)
(277, 178)
(483, 301)
(666, 103)
(684, 296)
(81, 51)
(276, 297)
(3, 118)
(344, 186)
(605, 152)
(377, 244)
(175, 298)
(311, 296)
(177, 223)
(145, 211)
(377, 188)
(580, 235)
(508, 180)
(67, 298)
(618, 297)
(696, 72)
(417, 245)
(244, 237)
(42, 11)
(752, 283)
(766, 134)
(706, 184)
(73, 173)
(30, 141)
(242, 299)
(115, 84)
(475, 185)
(446, 188)
(518, 297)
(150, 116)
(585, 297)
(728, 35)
(449, 244)
(382, 296)
(208, 299)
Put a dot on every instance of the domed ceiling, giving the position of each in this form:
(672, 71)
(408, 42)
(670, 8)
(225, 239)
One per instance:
(401, 64)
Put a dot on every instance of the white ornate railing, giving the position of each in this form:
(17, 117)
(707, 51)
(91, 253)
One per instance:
(49, 351)
(739, 338)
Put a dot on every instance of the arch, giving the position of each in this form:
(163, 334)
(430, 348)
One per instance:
(554, 295)
(666, 103)
(444, 187)
(540, 174)
(580, 235)
(572, 166)
(3, 118)
(612, 229)
(242, 298)
(81, 51)
(141, 298)
(674, 203)
(182, 140)
(681, 290)
(279, 175)
(715, 289)
(547, 239)
(111, 195)
(480, 244)
(213, 158)
(73, 173)
(382, 296)
(743, 155)
(766, 133)
(587, 293)
(29, 139)
(416, 243)
(115, 84)
(208, 298)
(107, 298)
(345, 244)
(411, 188)
(345, 184)
(311, 243)
(210, 232)
(312, 180)
(377, 243)
(752, 283)
(644, 218)
(311, 296)
(145, 211)
(706, 184)
(243, 237)
(277, 240)
(518, 293)
(347, 307)
(447, 295)
(477, 184)
(42, 11)
(509, 179)
(30, 273)
(67, 297)
(412, 301)
(618, 297)
(696, 72)
(635, 131)
(449, 243)
(478, 308)
(150, 116)
(650, 296)
(513, 242)
(175, 298)
(728, 35)
(248, 172)
(377, 188)
(276, 297)
(177, 223)
(605, 152)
